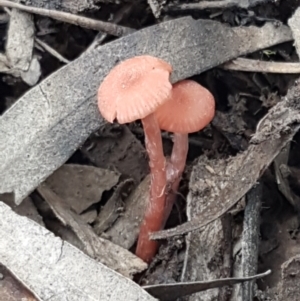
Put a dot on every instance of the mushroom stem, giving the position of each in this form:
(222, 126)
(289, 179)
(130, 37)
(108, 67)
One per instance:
(155, 212)
(175, 169)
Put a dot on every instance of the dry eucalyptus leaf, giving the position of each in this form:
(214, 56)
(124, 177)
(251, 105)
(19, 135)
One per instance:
(80, 186)
(48, 123)
(55, 270)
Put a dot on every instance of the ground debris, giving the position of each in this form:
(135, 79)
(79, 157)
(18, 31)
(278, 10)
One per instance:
(87, 181)
(172, 291)
(102, 250)
(80, 186)
(221, 4)
(234, 176)
(75, 6)
(289, 286)
(47, 124)
(125, 230)
(128, 156)
(18, 59)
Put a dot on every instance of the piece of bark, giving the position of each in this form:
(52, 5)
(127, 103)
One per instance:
(125, 230)
(80, 186)
(89, 216)
(204, 258)
(237, 270)
(289, 286)
(250, 242)
(98, 248)
(128, 157)
(282, 174)
(49, 122)
(113, 208)
(222, 183)
(55, 270)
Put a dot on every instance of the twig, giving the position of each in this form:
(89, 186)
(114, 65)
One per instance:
(201, 5)
(248, 65)
(107, 27)
(250, 239)
(52, 51)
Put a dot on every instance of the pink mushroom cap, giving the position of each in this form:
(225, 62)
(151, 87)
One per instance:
(134, 89)
(190, 108)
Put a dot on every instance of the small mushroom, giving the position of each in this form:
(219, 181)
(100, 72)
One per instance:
(133, 90)
(190, 109)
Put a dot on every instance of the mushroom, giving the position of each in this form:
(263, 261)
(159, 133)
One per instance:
(190, 109)
(133, 90)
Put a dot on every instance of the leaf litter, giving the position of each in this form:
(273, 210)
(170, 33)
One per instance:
(57, 121)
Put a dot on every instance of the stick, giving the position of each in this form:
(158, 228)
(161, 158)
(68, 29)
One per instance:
(251, 239)
(248, 65)
(107, 27)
